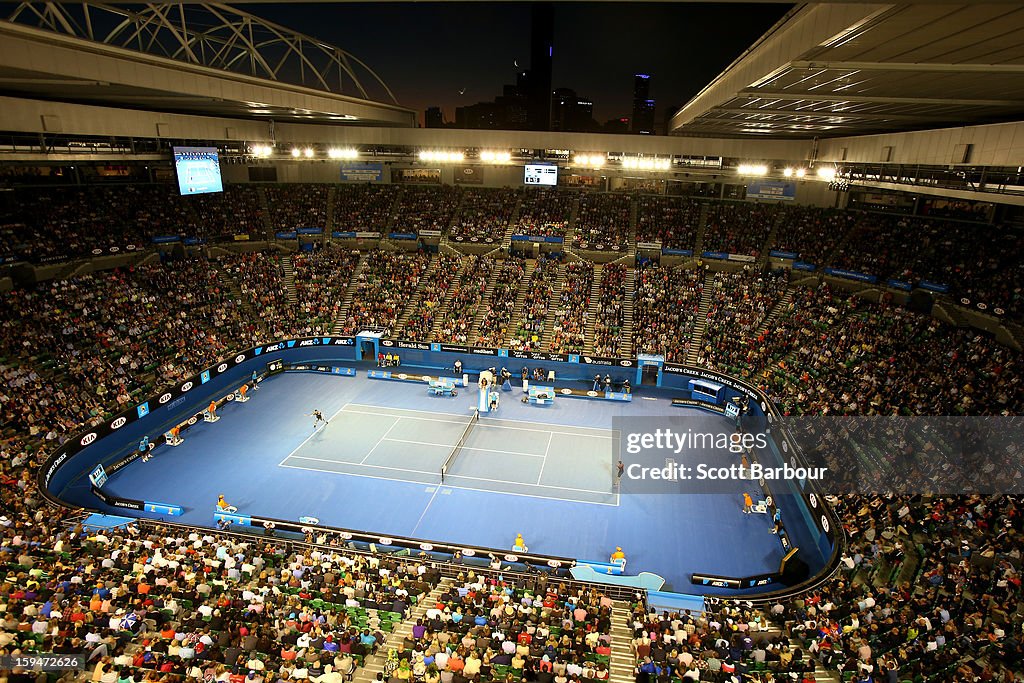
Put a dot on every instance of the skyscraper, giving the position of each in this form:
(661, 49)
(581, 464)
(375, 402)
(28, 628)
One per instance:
(643, 105)
(433, 117)
(542, 50)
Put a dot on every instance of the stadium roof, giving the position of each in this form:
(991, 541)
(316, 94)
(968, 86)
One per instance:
(850, 69)
(205, 59)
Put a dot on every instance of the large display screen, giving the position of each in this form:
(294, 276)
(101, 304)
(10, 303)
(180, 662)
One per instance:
(537, 174)
(198, 170)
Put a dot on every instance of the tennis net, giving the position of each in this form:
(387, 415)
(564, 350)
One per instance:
(458, 447)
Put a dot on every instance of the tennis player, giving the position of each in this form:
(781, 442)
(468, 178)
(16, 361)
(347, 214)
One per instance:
(318, 417)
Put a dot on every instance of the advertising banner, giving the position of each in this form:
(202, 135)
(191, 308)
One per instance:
(469, 175)
(769, 189)
(354, 172)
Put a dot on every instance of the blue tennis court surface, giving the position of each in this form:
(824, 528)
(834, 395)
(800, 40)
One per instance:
(499, 456)
(545, 472)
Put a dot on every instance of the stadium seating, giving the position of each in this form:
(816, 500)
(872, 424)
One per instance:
(484, 215)
(544, 213)
(602, 221)
(669, 220)
(665, 307)
(297, 206)
(928, 588)
(426, 208)
(364, 208)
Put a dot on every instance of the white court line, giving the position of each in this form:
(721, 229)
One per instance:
(455, 476)
(380, 440)
(310, 436)
(481, 425)
(545, 461)
(469, 448)
(455, 488)
(494, 419)
(424, 513)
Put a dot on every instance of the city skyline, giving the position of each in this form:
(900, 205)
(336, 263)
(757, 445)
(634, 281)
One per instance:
(458, 54)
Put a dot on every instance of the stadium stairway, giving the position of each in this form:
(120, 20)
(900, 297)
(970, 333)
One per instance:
(332, 193)
(346, 303)
(231, 285)
(622, 666)
(488, 300)
(694, 354)
(570, 230)
(698, 245)
(769, 242)
(626, 347)
(513, 221)
(288, 268)
(457, 285)
(265, 207)
(634, 210)
(517, 311)
(553, 306)
(417, 295)
(592, 306)
(780, 305)
(395, 640)
(485, 303)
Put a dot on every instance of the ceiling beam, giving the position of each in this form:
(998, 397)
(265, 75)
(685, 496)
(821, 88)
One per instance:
(823, 113)
(911, 66)
(874, 99)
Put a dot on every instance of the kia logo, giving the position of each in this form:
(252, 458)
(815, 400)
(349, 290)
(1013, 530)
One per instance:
(165, 398)
(192, 420)
(186, 386)
(118, 423)
(385, 541)
(88, 438)
(554, 564)
(824, 523)
(625, 363)
(813, 499)
(239, 358)
(97, 252)
(468, 552)
(426, 546)
(222, 367)
(511, 558)
(231, 397)
(388, 343)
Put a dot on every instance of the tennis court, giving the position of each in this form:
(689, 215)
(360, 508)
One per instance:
(491, 454)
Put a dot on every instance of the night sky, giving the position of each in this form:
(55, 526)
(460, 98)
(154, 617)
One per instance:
(427, 52)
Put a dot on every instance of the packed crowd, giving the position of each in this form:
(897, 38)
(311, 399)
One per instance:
(494, 326)
(67, 222)
(530, 329)
(321, 279)
(829, 354)
(739, 228)
(602, 221)
(485, 214)
(456, 321)
(665, 306)
(609, 323)
(487, 629)
(426, 208)
(432, 296)
(260, 280)
(297, 206)
(930, 588)
(382, 289)
(812, 233)
(673, 221)
(740, 303)
(544, 213)
(364, 208)
(569, 332)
